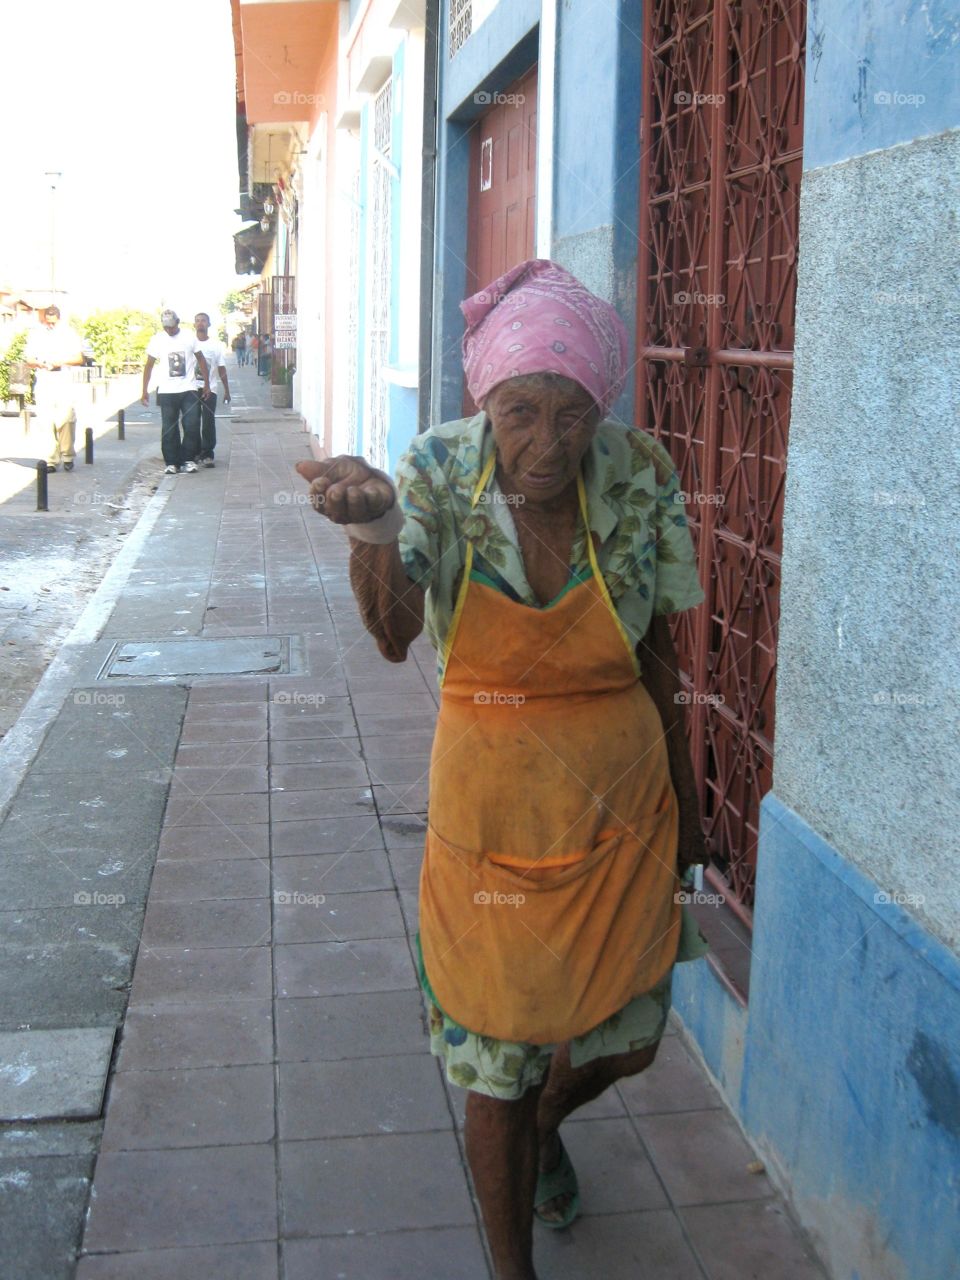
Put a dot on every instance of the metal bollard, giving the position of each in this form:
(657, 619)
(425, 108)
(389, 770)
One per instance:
(88, 446)
(42, 487)
(121, 425)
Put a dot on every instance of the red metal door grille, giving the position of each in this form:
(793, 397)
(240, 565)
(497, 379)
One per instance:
(721, 138)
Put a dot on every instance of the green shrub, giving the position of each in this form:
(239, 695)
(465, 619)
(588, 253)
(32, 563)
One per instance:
(12, 355)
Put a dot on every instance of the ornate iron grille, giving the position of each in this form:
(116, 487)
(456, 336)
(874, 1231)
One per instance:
(378, 319)
(722, 133)
(460, 24)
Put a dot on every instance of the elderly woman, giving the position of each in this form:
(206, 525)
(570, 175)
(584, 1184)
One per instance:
(542, 546)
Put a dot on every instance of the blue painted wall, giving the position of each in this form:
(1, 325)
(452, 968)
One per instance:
(503, 47)
(907, 52)
(401, 401)
(595, 196)
(596, 169)
(852, 1064)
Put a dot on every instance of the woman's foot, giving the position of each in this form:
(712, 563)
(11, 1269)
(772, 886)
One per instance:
(557, 1199)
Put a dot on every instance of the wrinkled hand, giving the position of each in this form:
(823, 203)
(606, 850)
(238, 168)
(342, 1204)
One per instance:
(347, 490)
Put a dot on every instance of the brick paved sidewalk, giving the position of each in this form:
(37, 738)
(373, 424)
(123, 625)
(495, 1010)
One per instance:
(273, 1110)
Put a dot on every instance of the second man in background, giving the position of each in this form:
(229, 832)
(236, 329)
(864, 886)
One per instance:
(207, 409)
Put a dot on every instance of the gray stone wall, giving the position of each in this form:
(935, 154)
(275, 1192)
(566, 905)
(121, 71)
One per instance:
(867, 744)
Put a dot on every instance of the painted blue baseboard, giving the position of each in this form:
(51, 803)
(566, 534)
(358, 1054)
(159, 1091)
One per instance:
(845, 1068)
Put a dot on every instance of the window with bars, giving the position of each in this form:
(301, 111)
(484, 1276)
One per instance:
(460, 24)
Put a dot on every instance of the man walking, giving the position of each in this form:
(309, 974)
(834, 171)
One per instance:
(207, 409)
(51, 349)
(179, 357)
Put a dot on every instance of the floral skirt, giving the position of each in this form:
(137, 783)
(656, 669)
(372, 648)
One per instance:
(506, 1069)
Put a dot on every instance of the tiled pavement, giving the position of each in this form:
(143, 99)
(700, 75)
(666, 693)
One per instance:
(273, 1110)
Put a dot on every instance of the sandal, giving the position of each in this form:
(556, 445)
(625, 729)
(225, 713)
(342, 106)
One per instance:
(561, 1180)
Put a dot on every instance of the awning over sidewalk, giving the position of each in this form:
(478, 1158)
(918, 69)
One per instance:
(251, 246)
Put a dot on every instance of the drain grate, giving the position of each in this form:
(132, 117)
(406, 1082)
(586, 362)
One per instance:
(230, 656)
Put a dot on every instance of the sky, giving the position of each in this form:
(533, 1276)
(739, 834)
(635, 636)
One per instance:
(134, 103)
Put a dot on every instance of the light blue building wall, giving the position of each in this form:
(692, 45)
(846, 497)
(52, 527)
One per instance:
(500, 50)
(595, 180)
(401, 400)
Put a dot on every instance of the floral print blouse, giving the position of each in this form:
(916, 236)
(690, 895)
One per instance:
(644, 548)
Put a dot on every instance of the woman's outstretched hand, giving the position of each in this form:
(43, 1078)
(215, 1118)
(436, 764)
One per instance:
(348, 490)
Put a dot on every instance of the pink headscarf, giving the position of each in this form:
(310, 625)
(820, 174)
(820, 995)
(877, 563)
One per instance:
(538, 318)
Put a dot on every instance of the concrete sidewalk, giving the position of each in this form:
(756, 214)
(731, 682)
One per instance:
(222, 869)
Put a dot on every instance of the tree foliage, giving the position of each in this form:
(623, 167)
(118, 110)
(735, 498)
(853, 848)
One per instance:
(120, 336)
(13, 353)
(234, 301)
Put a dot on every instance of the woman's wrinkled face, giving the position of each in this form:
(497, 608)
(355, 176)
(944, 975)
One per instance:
(542, 427)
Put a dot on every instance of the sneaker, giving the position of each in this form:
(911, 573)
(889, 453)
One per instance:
(190, 467)
(68, 466)
(51, 466)
(208, 462)
(171, 470)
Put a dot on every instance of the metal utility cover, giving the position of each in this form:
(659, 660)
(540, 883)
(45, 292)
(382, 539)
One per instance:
(230, 656)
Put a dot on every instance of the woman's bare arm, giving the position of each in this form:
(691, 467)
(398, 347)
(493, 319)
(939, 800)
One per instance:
(391, 606)
(661, 679)
(350, 492)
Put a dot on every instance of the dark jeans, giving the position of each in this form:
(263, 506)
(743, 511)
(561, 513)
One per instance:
(179, 411)
(208, 425)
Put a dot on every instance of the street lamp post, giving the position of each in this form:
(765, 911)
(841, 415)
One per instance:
(54, 175)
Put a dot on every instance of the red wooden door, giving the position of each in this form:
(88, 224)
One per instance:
(721, 146)
(501, 203)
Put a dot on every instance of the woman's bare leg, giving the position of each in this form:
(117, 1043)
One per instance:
(501, 1140)
(568, 1088)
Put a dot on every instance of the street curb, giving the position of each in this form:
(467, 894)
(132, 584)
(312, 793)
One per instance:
(23, 740)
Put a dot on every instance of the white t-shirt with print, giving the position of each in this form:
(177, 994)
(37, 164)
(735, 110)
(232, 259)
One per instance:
(213, 353)
(176, 368)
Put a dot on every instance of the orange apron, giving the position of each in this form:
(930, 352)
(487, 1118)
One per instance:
(547, 894)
